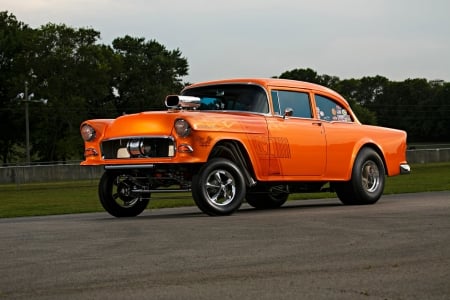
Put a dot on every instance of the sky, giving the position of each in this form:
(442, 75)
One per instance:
(398, 39)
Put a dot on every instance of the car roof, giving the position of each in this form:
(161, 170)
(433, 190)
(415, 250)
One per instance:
(271, 82)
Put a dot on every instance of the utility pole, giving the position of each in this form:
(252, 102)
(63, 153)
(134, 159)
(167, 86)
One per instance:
(24, 97)
(27, 125)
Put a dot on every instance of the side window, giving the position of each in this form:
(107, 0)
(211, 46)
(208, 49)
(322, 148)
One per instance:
(299, 102)
(328, 110)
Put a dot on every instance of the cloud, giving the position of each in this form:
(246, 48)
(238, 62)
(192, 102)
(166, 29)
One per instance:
(348, 38)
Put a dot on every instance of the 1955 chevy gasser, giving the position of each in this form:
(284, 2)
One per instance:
(235, 140)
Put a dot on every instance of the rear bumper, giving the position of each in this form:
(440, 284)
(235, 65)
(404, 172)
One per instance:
(405, 169)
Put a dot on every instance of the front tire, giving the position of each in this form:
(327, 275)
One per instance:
(117, 198)
(219, 187)
(368, 179)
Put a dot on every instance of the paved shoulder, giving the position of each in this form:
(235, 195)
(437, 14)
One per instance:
(398, 248)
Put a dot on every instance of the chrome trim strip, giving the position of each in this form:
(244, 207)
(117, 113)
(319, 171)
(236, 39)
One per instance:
(121, 167)
(162, 190)
(130, 137)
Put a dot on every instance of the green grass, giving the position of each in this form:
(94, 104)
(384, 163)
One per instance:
(80, 197)
(423, 178)
(38, 199)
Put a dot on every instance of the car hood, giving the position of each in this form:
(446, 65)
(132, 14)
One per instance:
(140, 124)
(160, 123)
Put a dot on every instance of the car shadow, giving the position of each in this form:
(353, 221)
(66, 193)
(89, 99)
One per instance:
(194, 212)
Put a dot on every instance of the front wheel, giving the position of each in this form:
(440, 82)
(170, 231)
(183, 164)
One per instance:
(117, 196)
(219, 187)
(367, 183)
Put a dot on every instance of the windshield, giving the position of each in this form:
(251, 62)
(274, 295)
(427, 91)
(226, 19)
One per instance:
(241, 97)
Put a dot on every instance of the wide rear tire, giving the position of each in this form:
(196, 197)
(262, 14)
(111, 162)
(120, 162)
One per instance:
(367, 183)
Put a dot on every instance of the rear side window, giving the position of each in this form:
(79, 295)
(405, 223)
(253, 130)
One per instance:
(329, 110)
(297, 101)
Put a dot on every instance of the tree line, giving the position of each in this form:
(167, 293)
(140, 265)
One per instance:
(80, 79)
(419, 106)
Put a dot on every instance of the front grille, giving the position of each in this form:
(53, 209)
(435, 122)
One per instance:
(138, 148)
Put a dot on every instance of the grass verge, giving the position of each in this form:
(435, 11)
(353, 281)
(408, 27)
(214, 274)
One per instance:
(79, 197)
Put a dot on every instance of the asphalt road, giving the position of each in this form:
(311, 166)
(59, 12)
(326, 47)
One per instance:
(398, 248)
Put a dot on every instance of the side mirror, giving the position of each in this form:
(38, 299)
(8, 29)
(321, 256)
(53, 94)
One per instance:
(288, 112)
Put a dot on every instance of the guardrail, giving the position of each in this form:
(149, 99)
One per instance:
(423, 156)
(48, 173)
(67, 172)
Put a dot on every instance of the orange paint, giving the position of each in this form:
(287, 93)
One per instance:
(322, 147)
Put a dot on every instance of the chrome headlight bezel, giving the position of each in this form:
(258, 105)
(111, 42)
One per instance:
(87, 132)
(182, 127)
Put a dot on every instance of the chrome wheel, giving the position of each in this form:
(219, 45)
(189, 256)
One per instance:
(118, 196)
(123, 192)
(370, 176)
(220, 188)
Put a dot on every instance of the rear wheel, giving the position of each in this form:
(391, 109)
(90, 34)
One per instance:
(219, 187)
(275, 197)
(117, 196)
(367, 183)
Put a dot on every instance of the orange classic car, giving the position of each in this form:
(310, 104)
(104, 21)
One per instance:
(235, 140)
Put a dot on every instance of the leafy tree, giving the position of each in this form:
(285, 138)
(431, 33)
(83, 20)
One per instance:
(364, 90)
(415, 106)
(360, 93)
(329, 81)
(349, 88)
(73, 73)
(15, 44)
(80, 78)
(147, 73)
(364, 115)
(308, 75)
(437, 127)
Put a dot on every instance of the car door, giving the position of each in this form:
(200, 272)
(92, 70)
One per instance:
(342, 133)
(297, 142)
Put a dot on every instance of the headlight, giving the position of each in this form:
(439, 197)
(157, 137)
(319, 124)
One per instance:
(87, 132)
(182, 128)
